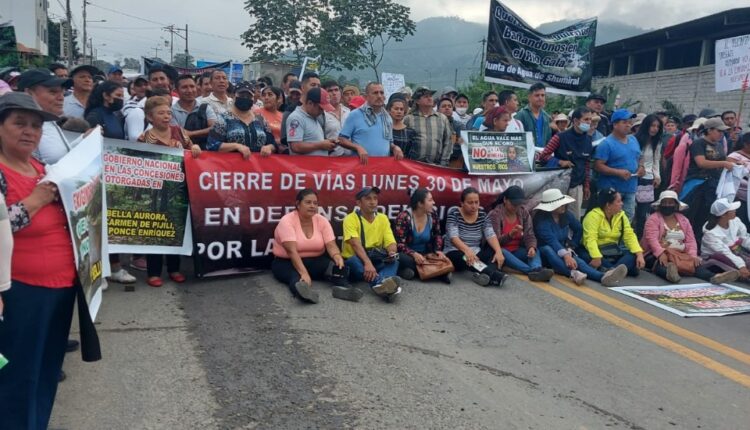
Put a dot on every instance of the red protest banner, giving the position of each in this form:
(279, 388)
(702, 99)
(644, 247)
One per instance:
(236, 203)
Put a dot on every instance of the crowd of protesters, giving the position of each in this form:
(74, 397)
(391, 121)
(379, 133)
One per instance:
(646, 191)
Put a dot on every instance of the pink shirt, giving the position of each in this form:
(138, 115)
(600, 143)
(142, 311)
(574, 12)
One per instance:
(290, 230)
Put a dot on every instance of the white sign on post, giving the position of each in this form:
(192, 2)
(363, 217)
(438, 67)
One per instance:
(732, 62)
(392, 82)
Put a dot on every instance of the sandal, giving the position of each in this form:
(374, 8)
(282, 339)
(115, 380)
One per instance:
(154, 281)
(177, 277)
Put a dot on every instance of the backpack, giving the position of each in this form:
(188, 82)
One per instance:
(198, 121)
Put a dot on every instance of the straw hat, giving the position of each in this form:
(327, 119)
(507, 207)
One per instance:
(553, 199)
(669, 194)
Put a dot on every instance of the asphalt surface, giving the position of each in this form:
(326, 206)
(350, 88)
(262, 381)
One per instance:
(241, 353)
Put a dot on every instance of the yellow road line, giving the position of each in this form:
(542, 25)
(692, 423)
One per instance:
(707, 362)
(679, 331)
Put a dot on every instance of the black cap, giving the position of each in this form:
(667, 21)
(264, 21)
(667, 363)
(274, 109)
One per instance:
(421, 92)
(364, 192)
(708, 113)
(296, 86)
(515, 195)
(23, 101)
(33, 77)
(140, 78)
(87, 68)
(244, 86)
(594, 96)
(689, 118)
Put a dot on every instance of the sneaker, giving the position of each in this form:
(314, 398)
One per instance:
(673, 275)
(407, 274)
(305, 292)
(613, 277)
(447, 278)
(72, 345)
(391, 298)
(481, 279)
(122, 276)
(723, 278)
(498, 279)
(578, 277)
(105, 285)
(387, 287)
(541, 275)
(351, 294)
(138, 264)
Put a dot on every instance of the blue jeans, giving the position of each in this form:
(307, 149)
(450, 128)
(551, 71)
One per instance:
(357, 270)
(628, 205)
(627, 258)
(558, 264)
(518, 260)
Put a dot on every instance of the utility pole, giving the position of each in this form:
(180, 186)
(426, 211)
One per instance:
(186, 47)
(91, 50)
(69, 32)
(176, 31)
(455, 79)
(484, 51)
(84, 31)
(156, 51)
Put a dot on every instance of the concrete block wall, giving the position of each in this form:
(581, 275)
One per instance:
(691, 88)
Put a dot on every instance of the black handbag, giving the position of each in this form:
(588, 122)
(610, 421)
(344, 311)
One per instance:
(377, 256)
(613, 251)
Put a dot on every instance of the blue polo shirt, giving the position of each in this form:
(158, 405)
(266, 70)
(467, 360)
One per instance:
(369, 137)
(618, 155)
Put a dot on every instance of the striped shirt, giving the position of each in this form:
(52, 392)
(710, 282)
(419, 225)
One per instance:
(433, 137)
(471, 234)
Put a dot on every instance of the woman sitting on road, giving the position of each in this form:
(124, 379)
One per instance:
(513, 227)
(725, 238)
(669, 235)
(417, 233)
(472, 243)
(608, 238)
(240, 130)
(305, 248)
(558, 232)
(159, 114)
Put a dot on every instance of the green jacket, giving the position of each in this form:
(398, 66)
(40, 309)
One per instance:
(529, 124)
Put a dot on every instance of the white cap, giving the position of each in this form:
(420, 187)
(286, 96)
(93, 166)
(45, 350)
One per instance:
(722, 206)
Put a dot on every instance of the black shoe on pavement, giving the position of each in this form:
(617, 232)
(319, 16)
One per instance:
(406, 273)
(498, 279)
(541, 275)
(72, 345)
(305, 292)
(350, 293)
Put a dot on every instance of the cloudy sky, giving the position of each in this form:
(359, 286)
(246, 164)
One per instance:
(133, 27)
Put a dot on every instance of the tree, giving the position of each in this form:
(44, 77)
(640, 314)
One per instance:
(131, 63)
(182, 60)
(53, 41)
(377, 23)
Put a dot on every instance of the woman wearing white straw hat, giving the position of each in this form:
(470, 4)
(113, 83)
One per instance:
(669, 244)
(558, 234)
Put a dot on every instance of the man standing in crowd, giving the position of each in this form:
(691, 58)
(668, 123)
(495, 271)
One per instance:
(369, 129)
(730, 118)
(596, 103)
(304, 126)
(449, 92)
(533, 116)
(219, 100)
(135, 117)
(617, 161)
(139, 88)
(196, 119)
(461, 114)
(114, 74)
(83, 84)
(337, 117)
(349, 92)
(489, 101)
(300, 89)
(433, 130)
(366, 233)
(573, 149)
(286, 81)
(204, 85)
(509, 100)
(59, 70)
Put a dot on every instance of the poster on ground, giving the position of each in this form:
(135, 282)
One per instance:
(145, 199)
(693, 300)
(732, 62)
(491, 153)
(392, 82)
(237, 203)
(520, 56)
(78, 179)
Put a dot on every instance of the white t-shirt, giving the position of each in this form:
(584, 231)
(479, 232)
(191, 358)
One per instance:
(722, 240)
(53, 145)
(6, 244)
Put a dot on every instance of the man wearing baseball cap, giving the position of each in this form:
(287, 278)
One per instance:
(83, 84)
(434, 130)
(725, 238)
(305, 126)
(708, 158)
(596, 103)
(617, 160)
(47, 91)
(369, 247)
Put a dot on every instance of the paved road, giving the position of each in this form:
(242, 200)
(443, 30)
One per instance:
(240, 353)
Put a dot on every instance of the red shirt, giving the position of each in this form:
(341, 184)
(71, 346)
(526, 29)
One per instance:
(515, 241)
(43, 250)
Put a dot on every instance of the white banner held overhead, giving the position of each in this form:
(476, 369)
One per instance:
(732, 62)
(392, 82)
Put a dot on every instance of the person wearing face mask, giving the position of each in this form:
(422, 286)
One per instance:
(103, 109)
(461, 114)
(240, 130)
(669, 244)
(573, 148)
(725, 238)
